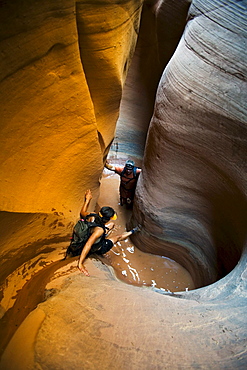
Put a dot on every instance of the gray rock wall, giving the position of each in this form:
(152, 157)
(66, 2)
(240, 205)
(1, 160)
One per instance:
(191, 197)
(162, 25)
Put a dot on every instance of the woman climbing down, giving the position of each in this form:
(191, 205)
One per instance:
(100, 226)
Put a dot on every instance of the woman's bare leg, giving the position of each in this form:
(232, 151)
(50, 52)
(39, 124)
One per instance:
(110, 226)
(125, 235)
(118, 238)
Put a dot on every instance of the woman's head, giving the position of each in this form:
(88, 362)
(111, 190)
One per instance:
(107, 214)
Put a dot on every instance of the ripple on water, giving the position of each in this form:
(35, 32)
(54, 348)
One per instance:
(132, 265)
(143, 269)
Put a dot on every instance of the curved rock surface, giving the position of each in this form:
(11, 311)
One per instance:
(162, 25)
(58, 75)
(61, 85)
(192, 193)
(102, 323)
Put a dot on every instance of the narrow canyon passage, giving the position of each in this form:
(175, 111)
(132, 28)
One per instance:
(167, 79)
(134, 266)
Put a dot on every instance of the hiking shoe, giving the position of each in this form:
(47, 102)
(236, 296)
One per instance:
(135, 229)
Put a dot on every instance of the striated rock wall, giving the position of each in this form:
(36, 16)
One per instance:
(191, 197)
(161, 27)
(62, 69)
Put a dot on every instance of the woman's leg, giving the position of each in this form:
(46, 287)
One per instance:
(118, 238)
(125, 235)
(110, 226)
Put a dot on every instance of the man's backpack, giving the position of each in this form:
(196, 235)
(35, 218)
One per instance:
(134, 172)
(81, 234)
(133, 180)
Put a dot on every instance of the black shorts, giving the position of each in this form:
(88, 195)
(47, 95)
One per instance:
(106, 245)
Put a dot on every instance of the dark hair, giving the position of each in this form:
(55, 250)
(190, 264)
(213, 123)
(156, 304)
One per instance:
(107, 213)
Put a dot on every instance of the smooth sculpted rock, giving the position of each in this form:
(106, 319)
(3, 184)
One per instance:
(101, 323)
(162, 25)
(107, 35)
(60, 64)
(191, 196)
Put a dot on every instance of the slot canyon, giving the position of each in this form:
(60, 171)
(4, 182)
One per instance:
(160, 82)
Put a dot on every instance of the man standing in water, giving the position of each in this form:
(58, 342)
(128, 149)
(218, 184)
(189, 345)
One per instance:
(128, 179)
(99, 241)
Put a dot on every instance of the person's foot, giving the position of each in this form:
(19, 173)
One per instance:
(136, 229)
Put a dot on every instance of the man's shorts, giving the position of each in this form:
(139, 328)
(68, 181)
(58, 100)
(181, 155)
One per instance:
(106, 245)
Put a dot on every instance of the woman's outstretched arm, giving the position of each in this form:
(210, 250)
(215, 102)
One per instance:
(87, 200)
(98, 231)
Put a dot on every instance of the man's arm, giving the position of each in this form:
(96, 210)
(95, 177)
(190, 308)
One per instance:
(138, 171)
(117, 170)
(109, 166)
(84, 209)
(98, 231)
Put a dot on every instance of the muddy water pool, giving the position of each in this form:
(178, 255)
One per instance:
(132, 265)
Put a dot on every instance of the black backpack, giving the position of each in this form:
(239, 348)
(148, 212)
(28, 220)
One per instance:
(124, 183)
(81, 233)
(134, 172)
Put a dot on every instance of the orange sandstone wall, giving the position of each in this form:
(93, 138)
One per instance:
(63, 65)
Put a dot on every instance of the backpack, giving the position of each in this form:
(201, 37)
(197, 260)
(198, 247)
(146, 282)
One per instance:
(124, 183)
(81, 234)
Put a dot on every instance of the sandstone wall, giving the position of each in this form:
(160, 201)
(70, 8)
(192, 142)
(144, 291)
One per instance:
(162, 25)
(63, 65)
(191, 197)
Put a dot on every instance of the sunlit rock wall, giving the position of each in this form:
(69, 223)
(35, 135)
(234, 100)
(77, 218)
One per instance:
(63, 65)
(191, 197)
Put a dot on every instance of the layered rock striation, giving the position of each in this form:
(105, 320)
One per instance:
(191, 197)
(161, 27)
(62, 75)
